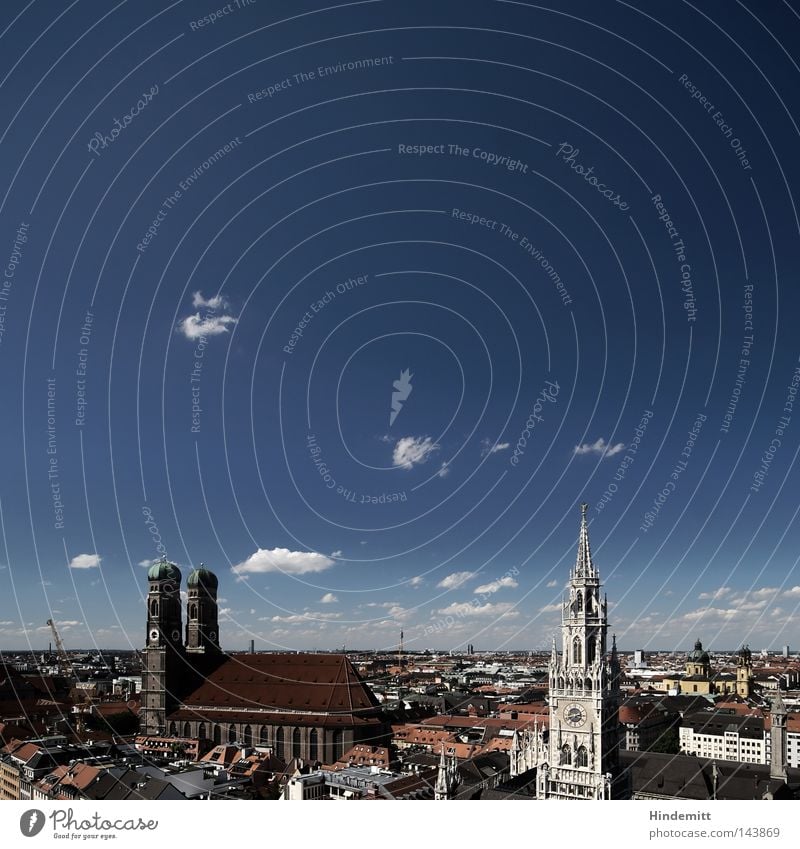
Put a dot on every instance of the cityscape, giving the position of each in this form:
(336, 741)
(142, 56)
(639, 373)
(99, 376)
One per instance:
(183, 719)
(398, 404)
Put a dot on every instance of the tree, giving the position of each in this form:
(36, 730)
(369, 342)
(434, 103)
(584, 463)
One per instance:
(668, 742)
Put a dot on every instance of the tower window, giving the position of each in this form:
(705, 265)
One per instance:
(576, 651)
(193, 611)
(566, 755)
(582, 757)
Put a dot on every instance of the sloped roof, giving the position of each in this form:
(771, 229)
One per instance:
(306, 683)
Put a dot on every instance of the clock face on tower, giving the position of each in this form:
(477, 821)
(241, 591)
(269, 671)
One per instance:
(154, 635)
(575, 715)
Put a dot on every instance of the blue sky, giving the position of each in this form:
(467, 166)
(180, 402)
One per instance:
(356, 305)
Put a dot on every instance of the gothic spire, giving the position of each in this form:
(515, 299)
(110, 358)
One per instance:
(584, 567)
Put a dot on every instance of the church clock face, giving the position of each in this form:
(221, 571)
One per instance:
(575, 715)
(154, 635)
(176, 634)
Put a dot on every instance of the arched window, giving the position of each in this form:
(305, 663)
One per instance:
(154, 609)
(338, 744)
(217, 735)
(193, 611)
(582, 757)
(579, 602)
(231, 733)
(279, 742)
(566, 755)
(313, 748)
(588, 684)
(296, 743)
(576, 651)
(247, 736)
(265, 735)
(201, 731)
(591, 650)
(560, 683)
(187, 729)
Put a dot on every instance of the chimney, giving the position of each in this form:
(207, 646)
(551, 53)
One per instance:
(252, 646)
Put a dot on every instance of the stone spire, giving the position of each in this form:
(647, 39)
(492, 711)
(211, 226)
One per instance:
(584, 567)
(778, 738)
(443, 788)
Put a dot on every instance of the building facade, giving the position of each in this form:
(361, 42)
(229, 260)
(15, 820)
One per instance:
(312, 707)
(582, 760)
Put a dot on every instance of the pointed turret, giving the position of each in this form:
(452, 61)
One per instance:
(442, 787)
(584, 567)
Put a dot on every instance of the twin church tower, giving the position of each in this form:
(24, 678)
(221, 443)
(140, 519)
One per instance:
(167, 656)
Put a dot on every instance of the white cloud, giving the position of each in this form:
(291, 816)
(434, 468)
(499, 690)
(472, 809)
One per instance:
(793, 592)
(493, 448)
(85, 561)
(722, 591)
(410, 451)
(336, 553)
(306, 617)
(215, 303)
(195, 326)
(467, 608)
(601, 448)
(283, 560)
(444, 470)
(146, 563)
(553, 583)
(328, 598)
(494, 586)
(456, 579)
(550, 608)
(208, 320)
(416, 581)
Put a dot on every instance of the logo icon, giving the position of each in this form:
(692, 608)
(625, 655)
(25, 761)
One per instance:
(403, 389)
(31, 822)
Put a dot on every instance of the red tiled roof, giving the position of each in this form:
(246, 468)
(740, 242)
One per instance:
(306, 683)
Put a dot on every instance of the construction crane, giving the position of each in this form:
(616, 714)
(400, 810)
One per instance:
(66, 663)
